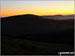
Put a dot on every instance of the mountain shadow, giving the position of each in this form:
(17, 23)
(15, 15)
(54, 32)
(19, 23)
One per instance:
(38, 29)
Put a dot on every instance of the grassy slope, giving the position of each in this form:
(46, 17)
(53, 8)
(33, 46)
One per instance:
(22, 46)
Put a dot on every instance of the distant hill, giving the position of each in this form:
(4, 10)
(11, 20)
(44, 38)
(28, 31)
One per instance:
(34, 35)
(23, 25)
(59, 17)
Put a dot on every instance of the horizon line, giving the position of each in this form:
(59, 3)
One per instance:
(37, 15)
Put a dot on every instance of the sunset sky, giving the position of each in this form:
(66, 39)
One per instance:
(10, 8)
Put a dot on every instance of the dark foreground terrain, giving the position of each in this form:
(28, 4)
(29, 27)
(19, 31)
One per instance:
(31, 34)
(28, 47)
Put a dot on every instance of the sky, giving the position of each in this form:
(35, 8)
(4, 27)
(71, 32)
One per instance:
(11, 8)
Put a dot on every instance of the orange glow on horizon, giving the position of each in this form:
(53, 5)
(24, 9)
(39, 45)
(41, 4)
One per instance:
(45, 8)
(36, 13)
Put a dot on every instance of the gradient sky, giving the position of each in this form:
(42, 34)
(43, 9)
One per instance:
(10, 8)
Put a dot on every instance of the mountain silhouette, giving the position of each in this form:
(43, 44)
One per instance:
(32, 34)
(33, 25)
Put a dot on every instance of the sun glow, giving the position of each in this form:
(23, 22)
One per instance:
(9, 8)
